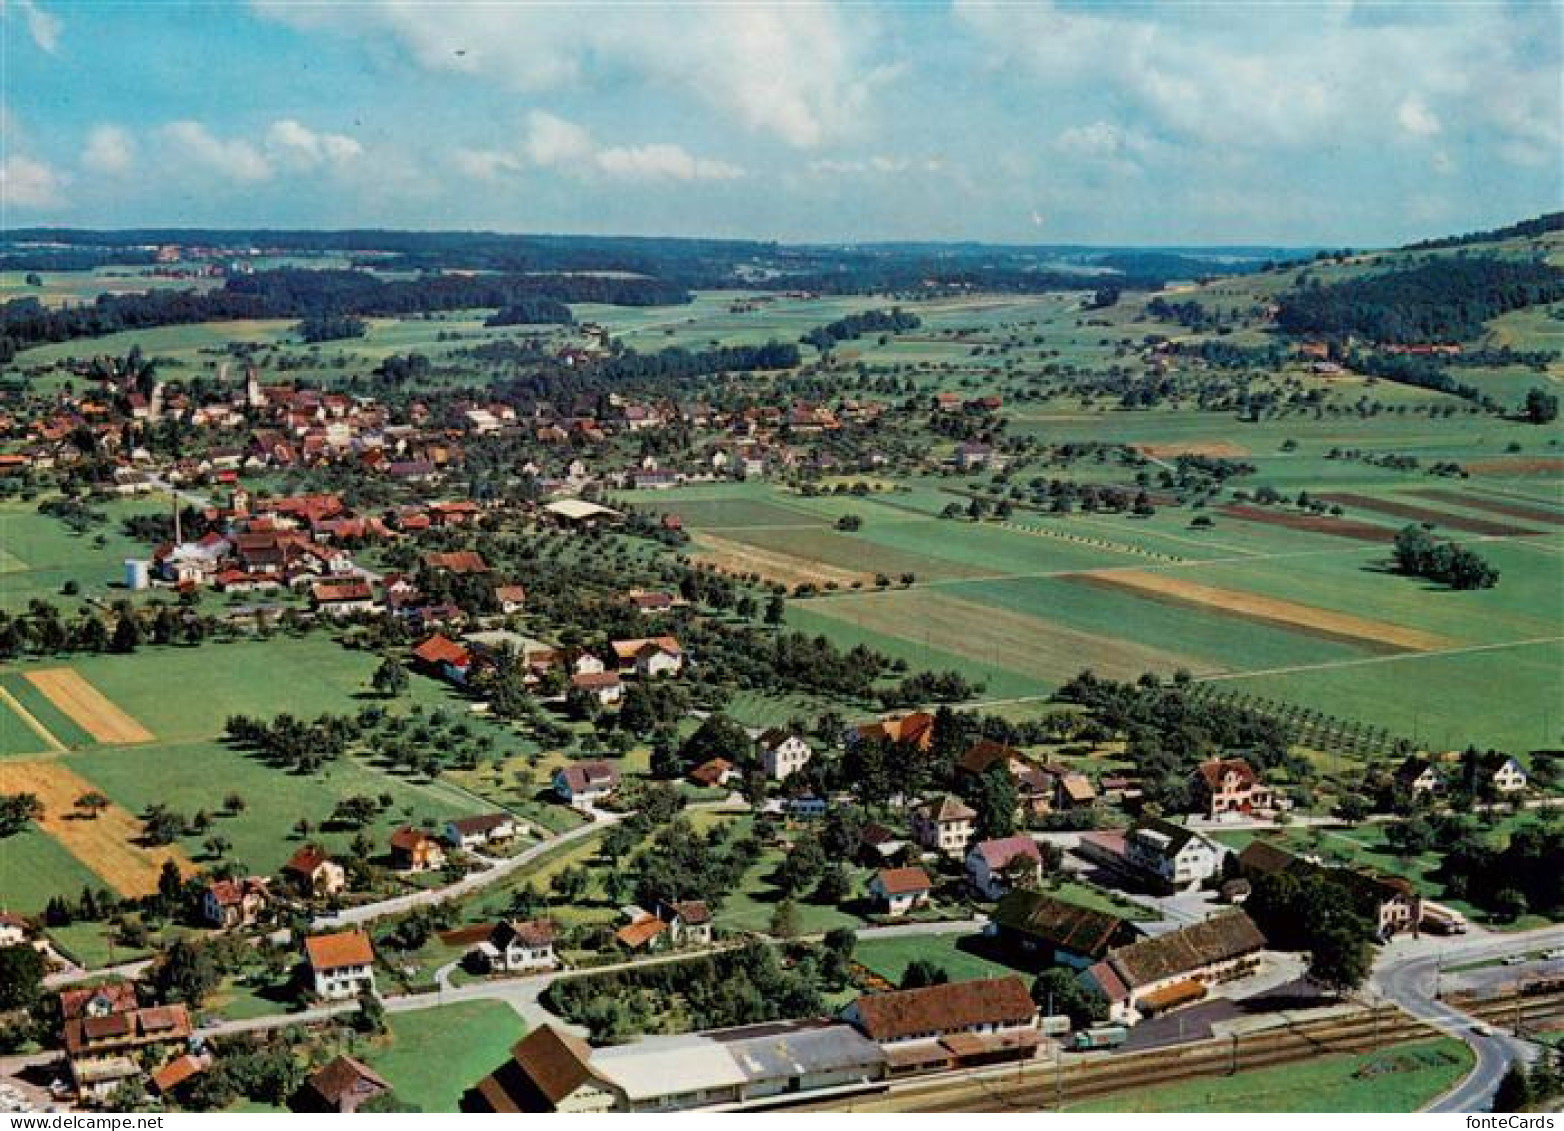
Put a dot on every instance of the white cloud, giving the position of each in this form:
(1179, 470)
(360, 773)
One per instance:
(552, 142)
(1416, 119)
(486, 164)
(235, 158)
(44, 27)
(1099, 139)
(110, 150)
(662, 161)
(292, 142)
(801, 72)
(26, 183)
(1257, 77)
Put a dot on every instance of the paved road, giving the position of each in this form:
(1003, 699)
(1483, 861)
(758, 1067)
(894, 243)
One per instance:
(1408, 974)
(467, 884)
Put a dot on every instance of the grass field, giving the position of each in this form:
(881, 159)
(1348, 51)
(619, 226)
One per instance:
(434, 1055)
(187, 768)
(889, 958)
(1400, 1078)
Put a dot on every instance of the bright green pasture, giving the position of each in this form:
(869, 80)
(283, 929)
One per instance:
(1400, 1078)
(34, 867)
(42, 554)
(890, 957)
(38, 705)
(473, 1038)
(1507, 697)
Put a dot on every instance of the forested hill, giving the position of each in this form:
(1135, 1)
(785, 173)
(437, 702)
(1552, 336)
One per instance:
(1446, 301)
(298, 293)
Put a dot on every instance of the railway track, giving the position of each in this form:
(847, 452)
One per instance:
(1041, 1085)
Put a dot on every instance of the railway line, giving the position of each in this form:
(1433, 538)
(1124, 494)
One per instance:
(1073, 1079)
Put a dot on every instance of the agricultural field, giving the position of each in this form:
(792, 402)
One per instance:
(180, 699)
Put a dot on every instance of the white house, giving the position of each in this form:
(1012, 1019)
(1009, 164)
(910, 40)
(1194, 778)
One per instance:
(476, 832)
(1179, 857)
(584, 783)
(649, 656)
(783, 753)
(944, 825)
(994, 865)
(341, 966)
(517, 947)
(900, 890)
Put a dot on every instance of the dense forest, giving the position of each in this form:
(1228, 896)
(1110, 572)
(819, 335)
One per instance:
(297, 293)
(1446, 301)
(1525, 229)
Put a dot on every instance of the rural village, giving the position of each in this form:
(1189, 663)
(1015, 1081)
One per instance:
(890, 696)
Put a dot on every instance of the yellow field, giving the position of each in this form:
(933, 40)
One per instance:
(773, 565)
(88, 708)
(990, 635)
(106, 843)
(1271, 610)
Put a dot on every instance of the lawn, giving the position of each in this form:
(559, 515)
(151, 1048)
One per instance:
(434, 1055)
(889, 958)
(1401, 1078)
(34, 867)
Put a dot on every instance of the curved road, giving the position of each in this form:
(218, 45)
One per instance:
(1410, 980)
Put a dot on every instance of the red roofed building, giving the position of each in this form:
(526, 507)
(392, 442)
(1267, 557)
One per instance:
(999, 1012)
(900, 890)
(235, 902)
(995, 866)
(1228, 785)
(341, 965)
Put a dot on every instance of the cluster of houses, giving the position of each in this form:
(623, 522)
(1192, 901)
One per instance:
(603, 675)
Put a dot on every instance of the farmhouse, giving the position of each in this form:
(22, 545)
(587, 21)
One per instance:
(1419, 777)
(342, 598)
(584, 783)
(340, 965)
(1390, 902)
(782, 753)
(444, 659)
(1163, 973)
(1174, 856)
(916, 729)
(713, 773)
(944, 825)
(899, 890)
(689, 922)
(995, 866)
(1500, 773)
(1228, 785)
(1044, 930)
(1034, 788)
(605, 687)
(108, 1037)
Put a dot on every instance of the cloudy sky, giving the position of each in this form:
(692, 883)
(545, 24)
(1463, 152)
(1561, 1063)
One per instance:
(1335, 123)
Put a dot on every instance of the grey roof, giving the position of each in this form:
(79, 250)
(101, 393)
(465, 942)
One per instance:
(802, 1051)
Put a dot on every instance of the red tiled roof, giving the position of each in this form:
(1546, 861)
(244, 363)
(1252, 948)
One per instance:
(902, 881)
(329, 952)
(946, 1008)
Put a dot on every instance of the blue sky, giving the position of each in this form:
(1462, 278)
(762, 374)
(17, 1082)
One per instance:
(1333, 123)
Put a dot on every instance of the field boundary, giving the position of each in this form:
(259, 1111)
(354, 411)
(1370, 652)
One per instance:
(1245, 605)
(31, 722)
(106, 843)
(88, 707)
